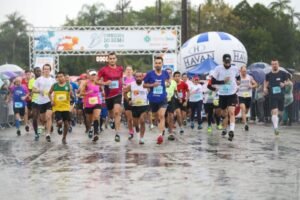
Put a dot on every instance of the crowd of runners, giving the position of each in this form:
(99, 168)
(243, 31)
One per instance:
(168, 100)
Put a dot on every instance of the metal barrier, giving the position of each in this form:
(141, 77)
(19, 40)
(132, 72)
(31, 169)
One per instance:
(6, 113)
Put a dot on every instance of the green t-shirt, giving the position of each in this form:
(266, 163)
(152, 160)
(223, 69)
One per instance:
(171, 90)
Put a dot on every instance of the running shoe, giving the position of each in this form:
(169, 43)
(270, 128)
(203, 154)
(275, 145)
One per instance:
(181, 131)
(192, 125)
(184, 122)
(276, 131)
(142, 141)
(90, 133)
(246, 127)
(27, 128)
(117, 138)
(70, 129)
(112, 124)
(95, 138)
(48, 138)
(18, 132)
(36, 137)
(224, 132)
(160, 139)
(171, 137)
(199, 127)
(219, 127)
(231, 135)
(209, 129)
(60, 131)
(130, 136)
(63, 141)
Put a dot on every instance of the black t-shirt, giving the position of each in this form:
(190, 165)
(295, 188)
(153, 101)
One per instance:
(274, 80)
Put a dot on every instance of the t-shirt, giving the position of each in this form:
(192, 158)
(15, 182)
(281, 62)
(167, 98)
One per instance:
(115, 75)
(196, 92)
(44, 85)
(74, 89)
(220, 73)
(158, 93)
(171, 89)
(182, 89)
(61, 97)
(274, 80)
(17, 93)
(245, 89)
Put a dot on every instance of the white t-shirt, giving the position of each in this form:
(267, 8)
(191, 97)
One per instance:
(196, 92)
(208, 95)
(245, 89)
(220, 73)
(43, 84)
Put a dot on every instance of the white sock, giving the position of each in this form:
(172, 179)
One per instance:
(232, 125)
(275, 121)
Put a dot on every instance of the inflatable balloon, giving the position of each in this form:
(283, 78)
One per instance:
(211, 45)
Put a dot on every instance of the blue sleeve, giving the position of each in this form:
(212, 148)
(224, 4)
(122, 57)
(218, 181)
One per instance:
(147, 78)
(167, 75)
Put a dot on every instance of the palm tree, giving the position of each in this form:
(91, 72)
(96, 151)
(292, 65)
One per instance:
(280, 6)
(14, 28)
(92, 15)
(122, 6)
(294, 15)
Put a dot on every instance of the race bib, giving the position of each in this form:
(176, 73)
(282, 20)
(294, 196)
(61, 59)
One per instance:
(276, 90)
(114, 84)
(158, 90)
(246, 94)
(46, 92)
(18, 105)
(93, 100)
(61, 97)
(139, 102)
(180, 94)
(225, 89)
(196, 96)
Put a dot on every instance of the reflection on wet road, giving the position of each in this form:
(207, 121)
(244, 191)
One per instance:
(257, 165)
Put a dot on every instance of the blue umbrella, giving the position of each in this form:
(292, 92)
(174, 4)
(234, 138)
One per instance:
(257, 74)
(10, 74)
(258, 65)
(203, 68)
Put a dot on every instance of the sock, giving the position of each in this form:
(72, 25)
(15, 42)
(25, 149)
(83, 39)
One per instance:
(96, 126)
(232, 125)
(35, 126)
(101, 122)
(275, 121)
(17, 124)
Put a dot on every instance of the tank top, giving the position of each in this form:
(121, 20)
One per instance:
(92, 98)
(61, 97)
(245, 89)
(139, 95)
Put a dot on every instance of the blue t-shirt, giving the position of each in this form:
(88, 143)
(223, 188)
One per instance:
(157, 94)
(74, 89)
(17, 93)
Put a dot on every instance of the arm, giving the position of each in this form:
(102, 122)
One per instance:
(50, 93)
(266, 85)
(125, 93)
(216, 82)
(254, 84)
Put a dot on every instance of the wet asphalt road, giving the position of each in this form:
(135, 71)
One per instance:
(256, 165)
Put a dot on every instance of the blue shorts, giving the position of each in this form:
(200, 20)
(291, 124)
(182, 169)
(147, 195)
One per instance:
(104, 113)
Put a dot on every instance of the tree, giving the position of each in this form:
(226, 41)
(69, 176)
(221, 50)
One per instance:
(280, 6)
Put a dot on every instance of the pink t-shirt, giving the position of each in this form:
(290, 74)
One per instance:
(115, 75)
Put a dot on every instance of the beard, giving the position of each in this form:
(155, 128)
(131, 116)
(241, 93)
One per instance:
(139, 82)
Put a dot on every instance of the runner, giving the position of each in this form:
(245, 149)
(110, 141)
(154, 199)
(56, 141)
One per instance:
(92, 104)
(128, 79)
(180, 99)
(61, 104)
(171, 92)
(34, 101)
(139, 103)
(111, 77)
(25, 83)
(42, 86)
(227, 76)
(18, 93)
(246, 84)
(157, 80)
(196, 101)
(274, 85)
(186, 112)
(73, 100)
(208, 101)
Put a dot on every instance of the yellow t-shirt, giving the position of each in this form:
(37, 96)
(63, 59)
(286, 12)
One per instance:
(171, 90)
(34, 97)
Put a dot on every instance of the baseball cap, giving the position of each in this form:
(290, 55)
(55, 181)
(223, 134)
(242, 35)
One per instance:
(82, 76)
(93, 72)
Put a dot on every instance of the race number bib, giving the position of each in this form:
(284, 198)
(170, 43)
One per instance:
(61, 97)
(139, 102)
(246, 94)
(225, 89)
(45, 92)
(93, 100)
(18, 105)
(276, 90)
(180, 94)
(114, 84)
(158, 90)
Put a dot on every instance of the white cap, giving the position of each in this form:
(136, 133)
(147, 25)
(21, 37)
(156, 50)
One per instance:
(93, 72)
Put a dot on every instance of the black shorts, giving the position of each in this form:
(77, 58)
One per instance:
(246, 101)
(79, 106)
(225, 101)
(208, 107)
(62, 116)
(137, 111)
(29, 105)
(127, 106)
(112, 101)
(179, 105)
(20, 111)
(157, 105)
(91, 110)
(276, 103)
(44, 107)
(171, 106)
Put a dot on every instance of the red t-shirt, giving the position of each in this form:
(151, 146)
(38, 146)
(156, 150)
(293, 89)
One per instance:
(182, 89)
(24, 82)
(115, 75)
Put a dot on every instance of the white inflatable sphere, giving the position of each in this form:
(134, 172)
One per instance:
(211, 45)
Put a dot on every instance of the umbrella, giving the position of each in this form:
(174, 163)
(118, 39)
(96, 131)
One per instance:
(3, 76)
(269, 69)
(10, 75)
(203, 68)
(257, 74)
(11, 68)
(260, 65)
(296, 76)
